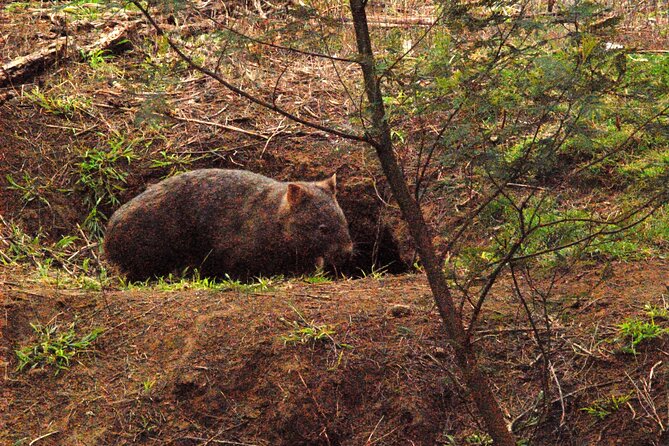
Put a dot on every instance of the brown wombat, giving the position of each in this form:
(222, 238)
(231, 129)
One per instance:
(230, 222)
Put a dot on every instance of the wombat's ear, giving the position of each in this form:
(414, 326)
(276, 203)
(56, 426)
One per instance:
(329, 185)
(296, 194)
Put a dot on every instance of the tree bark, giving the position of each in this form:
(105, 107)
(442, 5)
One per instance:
(465, 357)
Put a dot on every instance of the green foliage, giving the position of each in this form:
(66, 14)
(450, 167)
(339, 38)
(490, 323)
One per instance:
(601, 409)
(635, 331)
(147, 385)
(65, 106)
(75, 269)
(21, 247)
(529, 105)
(98, 59)
(555, 233)
(29, 187)
(376, 272)
(308, 332)
(479, 440)
(102, 176)
(317, 277)
(655, 312)
(175, 162)
(196, 282)
(54, 347)
(16, 6)
(91, 9)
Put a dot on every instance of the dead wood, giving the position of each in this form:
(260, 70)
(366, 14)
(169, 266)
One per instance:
(114, 38)
(390, 22)
(24, 68)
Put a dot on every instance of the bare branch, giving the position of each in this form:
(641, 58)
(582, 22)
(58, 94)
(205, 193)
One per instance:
(275, 46)
(242, 93)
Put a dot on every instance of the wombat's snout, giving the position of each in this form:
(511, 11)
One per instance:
(342, 252)
(336, 255)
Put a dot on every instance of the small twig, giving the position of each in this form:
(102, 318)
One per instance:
(525, 186)
(369, 439)
(564, 397)
(510, 330)
(279, 129)
(645, 398)
(650, 52)
(41, 437)
(211, 440)
(559, 387)
(217, 124)
(88, 242)
(393, 22)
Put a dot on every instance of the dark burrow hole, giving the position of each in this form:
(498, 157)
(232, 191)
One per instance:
(376, 248)
(374, 251)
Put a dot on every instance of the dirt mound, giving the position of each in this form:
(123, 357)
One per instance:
(191, 367)
(220, 365)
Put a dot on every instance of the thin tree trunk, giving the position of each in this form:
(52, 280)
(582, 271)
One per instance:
(465, 356)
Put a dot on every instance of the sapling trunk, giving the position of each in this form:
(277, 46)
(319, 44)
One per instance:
(465, 357)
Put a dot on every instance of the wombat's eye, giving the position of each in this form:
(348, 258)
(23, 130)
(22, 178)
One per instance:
(324, 229)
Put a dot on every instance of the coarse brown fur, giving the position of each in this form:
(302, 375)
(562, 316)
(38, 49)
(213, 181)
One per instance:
(230, 222)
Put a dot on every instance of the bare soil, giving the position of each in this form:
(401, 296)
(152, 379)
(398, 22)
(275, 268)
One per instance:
(223, 374)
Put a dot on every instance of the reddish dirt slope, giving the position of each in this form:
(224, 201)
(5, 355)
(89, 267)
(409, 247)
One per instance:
(222, 372)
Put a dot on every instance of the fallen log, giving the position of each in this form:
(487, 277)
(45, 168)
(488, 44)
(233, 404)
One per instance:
(112, 39)
(24, 68)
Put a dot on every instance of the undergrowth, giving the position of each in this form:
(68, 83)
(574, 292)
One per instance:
(196, 282)
(304, 331)
(55, 346)
(602, 408)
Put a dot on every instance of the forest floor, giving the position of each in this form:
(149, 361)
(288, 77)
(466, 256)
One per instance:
(244, 367)
(302, 361)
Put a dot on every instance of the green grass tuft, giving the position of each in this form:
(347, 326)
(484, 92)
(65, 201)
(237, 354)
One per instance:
(54, 347)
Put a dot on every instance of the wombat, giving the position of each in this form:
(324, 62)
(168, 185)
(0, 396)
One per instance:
(229, 222)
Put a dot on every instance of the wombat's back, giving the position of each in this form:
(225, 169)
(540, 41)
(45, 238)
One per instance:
(221, 222)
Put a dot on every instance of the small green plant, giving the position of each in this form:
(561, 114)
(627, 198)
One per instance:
(147, 385)
(635, 331)
(478, 440)
(655, 312)
(194, 281)
(54, 347)
(17, 6)
(85, 9)
(98, 59)
(65, 106)
(376, 273)
(102, 177)
(20, 246)
(405, 332)
(319, 276)
(29, 188)
(601, 409)
(174, 161)
(308, 332)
